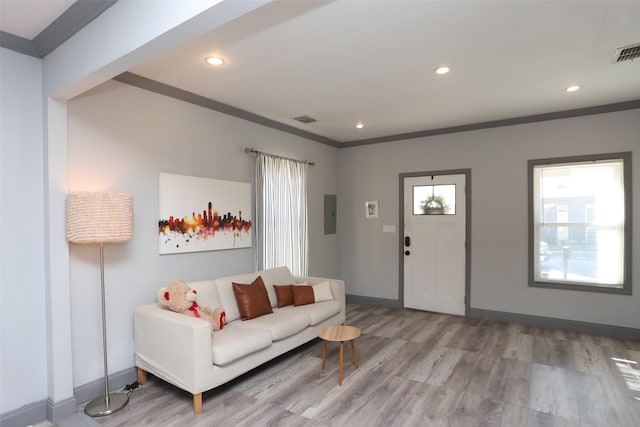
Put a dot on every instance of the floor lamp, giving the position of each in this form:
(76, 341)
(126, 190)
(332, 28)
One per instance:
(101, 217)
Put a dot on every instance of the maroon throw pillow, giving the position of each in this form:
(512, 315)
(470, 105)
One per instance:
(252, 299)
(284, 295)
(302, 295)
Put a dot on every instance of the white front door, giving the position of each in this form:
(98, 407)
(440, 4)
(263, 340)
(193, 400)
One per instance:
(434, 243)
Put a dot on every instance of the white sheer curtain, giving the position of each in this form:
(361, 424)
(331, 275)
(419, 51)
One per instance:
(281, 213)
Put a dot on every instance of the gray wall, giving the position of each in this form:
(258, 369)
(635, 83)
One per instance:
(22, 268)
(365, 257)
(34, 262)
(498, 162)
(120, 139)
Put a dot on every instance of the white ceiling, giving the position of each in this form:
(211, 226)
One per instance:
(372, 61)
(27, 18)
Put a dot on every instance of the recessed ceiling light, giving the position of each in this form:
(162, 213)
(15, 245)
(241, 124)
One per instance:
(572, 88)
(443, 70)
(214, 60)
(359, 125)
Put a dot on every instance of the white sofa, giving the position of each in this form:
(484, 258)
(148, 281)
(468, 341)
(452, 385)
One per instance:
(182, 351)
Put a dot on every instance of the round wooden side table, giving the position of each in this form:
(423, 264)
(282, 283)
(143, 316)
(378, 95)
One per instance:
(339, 333)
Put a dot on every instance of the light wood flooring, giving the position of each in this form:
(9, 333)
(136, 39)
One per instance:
(420, 369)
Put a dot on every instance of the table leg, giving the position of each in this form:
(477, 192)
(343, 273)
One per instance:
(341, 358)
(324, 352)
(353, 350)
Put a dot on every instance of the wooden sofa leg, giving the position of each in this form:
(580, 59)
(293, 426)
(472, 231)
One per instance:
(197, 403)
(142, 376)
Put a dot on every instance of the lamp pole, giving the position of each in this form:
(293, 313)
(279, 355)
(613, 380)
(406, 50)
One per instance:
(113, 402)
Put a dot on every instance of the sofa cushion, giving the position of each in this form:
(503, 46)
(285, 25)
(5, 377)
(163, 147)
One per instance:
(252, 299)
(270, 277)
(284, 295)
(280, 324)
(302, 295)
(322, 291)
(207, 294)
(235, 341)
(227, 297)
(276, 276)
(318, 312)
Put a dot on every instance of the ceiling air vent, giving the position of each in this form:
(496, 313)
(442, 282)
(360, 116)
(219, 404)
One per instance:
(305, 119)
(627, 53)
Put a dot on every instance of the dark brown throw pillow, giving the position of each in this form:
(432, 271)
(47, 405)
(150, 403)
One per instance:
(252, 300)
(302, 295)
(284, 295)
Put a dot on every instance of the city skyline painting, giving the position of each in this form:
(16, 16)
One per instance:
(203, 214)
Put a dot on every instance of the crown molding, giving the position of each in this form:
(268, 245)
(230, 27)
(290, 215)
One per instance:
(72, 20)
(183, 95)
(578, 112)
(18, 44)
(192, 98)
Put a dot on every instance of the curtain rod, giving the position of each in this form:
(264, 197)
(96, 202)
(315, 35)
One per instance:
(253, 150)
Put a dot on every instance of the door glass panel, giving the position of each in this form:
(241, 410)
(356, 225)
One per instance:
(434, 199)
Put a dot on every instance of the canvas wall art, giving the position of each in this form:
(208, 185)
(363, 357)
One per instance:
(203, 214)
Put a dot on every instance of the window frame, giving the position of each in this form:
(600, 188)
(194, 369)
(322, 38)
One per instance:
(626, 288)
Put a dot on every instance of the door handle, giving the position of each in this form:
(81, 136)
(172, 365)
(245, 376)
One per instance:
(407, 241)
(407, 252)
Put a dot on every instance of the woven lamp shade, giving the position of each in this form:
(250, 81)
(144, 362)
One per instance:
(99, 217)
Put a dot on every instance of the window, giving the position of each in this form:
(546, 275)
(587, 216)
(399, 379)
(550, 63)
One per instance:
(580, 223)
(434, 199)
(281, 214)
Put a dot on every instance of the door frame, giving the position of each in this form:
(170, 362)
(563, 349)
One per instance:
(467, 249)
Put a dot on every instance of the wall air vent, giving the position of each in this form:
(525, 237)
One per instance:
(627, 53)
(305, 119)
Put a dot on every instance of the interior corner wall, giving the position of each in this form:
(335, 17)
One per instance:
(22, 278)
(120, 139)
(497, 158)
